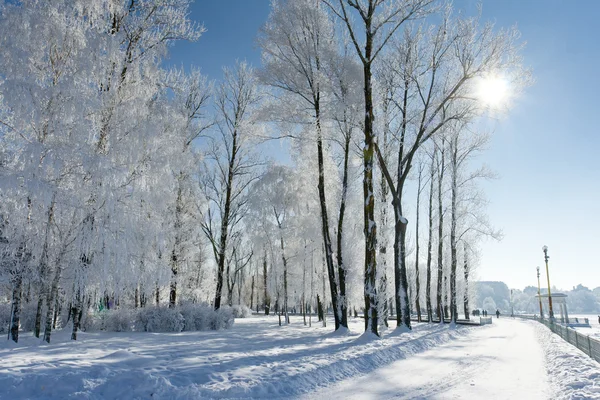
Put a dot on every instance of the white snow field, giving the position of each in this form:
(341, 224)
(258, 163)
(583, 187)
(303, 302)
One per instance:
(259, 359)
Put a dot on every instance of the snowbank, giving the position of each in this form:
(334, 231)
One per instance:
(574, 374)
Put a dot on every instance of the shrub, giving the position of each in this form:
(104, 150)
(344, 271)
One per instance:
(120, 320)
(159, 319)
(224, 319)
(240, 311)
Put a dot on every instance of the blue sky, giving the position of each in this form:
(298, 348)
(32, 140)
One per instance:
(545, 151)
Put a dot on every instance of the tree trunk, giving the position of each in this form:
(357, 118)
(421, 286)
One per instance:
(342, 301)
(453, 260)
(401, 279)
(370, 227)
(285, 279)
(328, 252)
(466, 271)
(430, 243)
(417, 283)
(266, 294)
(440, 276)
(225, 222)
(324, 300)
(75, 312)
(43, 270)
(252, 293)
(15, 320)
(176, 245)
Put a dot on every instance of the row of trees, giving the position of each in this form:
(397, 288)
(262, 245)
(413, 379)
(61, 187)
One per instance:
(127, 183)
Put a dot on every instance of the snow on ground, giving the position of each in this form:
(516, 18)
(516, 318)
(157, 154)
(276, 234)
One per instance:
(500, 361)
(571, 372)
(256, 358)
(510, 359)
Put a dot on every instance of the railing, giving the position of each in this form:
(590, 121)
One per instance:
(585, 343)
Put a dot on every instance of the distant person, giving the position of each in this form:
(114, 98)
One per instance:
(497, 313)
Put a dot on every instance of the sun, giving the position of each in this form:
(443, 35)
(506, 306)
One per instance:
(493, 91)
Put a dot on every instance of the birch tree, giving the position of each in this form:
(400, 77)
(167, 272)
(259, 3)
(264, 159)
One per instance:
(231, 163)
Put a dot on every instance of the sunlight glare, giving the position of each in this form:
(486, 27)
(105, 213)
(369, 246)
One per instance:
(493, 91)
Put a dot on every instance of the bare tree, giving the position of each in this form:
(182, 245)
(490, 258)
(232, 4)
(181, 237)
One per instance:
(378, 22)
(230, 163)
(297, 43)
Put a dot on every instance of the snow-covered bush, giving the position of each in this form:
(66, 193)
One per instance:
(4, 317)
(224, 318)
(120, 320)
(240, 311)
(198, 317)
(187, 317)
(159, 319)
(202, 317)
(93, 322)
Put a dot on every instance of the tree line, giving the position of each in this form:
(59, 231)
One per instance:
(126, 183)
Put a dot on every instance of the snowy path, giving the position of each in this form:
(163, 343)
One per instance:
(502, 361)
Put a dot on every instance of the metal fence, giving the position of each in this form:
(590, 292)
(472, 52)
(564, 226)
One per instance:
(585, 343)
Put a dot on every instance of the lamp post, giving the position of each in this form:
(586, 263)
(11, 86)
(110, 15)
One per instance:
(539, 295)
(545, 250)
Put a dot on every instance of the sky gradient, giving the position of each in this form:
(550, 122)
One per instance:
(545, 150)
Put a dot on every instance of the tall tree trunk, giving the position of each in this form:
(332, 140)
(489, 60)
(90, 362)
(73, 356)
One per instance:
(466, 271)
(417, 283)
(401, 279)
(15, 320)
(157, 294)
(266, 294)
(370, 226)
(75, 312)
(385, 307)
(43, 270)
(252, 293)
(225, 221)
(324, 299)
(342, 301)
(430, 243)
(304, 285)
(285, 278)
(328, 252)
(440, 305)
(177, 244)
(453, 260)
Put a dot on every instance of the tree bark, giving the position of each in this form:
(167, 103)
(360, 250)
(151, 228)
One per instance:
(342, 301)
(43, 271)
(176, 245)
(267, 300)
(370, 226)
(440, 306)
(16, 307)
(453, 244)
(225, 221)
(328, 252)
(417, 283)
(466, 272)
(430, 243)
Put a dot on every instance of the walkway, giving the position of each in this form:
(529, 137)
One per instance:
(499, 361)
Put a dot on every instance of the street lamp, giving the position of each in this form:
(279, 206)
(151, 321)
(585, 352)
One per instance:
(545, 250)
(539, 295)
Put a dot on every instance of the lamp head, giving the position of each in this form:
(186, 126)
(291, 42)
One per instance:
(545, 249)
